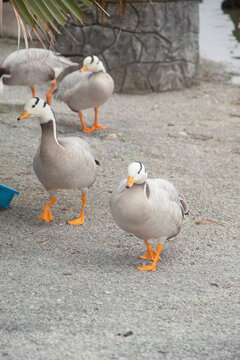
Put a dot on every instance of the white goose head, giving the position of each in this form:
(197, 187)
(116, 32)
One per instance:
(92, 63)
(36, 107)
(137, 174)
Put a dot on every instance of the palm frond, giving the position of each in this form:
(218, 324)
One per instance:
(44, 17)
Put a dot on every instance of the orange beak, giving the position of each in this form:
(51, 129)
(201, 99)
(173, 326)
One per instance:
(24, 115)
(84, 68)
(130, 182)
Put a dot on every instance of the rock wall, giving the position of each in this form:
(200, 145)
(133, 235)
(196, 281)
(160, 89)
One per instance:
(154, 49)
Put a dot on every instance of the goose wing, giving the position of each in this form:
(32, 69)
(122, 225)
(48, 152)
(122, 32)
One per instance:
(75, 91)
(38, 55)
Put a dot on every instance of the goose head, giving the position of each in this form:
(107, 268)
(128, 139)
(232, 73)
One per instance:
(36, 107)
(137, 174)
(92, 63)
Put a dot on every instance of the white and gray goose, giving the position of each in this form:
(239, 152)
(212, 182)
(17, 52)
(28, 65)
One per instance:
(89, 88)
(31, 67)
(60, 163)
(149, 209)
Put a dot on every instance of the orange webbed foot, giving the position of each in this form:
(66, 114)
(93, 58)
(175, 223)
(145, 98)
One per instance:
(46, 215)
(98, 127)
(152, 267)
(147, 268)
(87, 130)
(78, 221)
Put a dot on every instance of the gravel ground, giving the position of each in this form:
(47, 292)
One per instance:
(74, 292)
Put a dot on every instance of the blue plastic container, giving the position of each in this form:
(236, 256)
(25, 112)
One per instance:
(6, 195)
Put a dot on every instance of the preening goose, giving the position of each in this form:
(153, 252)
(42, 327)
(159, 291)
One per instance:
(89, 88)
(31, 67)
(149, 209)
(60, 163)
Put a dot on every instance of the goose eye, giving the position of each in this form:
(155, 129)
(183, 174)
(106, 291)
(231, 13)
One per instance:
(33, 106)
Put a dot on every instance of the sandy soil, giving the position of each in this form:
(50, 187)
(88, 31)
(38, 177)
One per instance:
(74, 292)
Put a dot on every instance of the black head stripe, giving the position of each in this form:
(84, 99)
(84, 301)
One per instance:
(36, 102)
(140, 166)
(92, 59)
(44, 104)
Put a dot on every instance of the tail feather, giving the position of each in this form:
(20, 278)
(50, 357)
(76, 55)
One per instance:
(184, 205)
(4, 71)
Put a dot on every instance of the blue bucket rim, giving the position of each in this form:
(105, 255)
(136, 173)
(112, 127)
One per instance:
(4, 187)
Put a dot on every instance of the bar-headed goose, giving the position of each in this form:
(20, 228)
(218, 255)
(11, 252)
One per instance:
(89, 88)
(60, 163)
(149, 209)
(31, 67)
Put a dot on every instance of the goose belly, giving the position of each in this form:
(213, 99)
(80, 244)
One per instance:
(60, 175)
(138, 217)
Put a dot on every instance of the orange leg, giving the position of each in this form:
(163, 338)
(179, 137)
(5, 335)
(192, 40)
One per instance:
(46, 214)
(33, 92)
(85, 129)
(152, 267)
(48, 95)
(80, 220)
(150, 254)
(96, 126)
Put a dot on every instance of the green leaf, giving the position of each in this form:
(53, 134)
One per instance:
(24, 11)
(42, 13)
(229, 197)
(61, 6)
(73, 8)
(57, 14)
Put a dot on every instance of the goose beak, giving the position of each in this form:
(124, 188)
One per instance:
(24, 115)
(130, 182)
(84, 68)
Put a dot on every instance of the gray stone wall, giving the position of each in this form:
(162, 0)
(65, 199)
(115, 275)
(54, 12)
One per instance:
(154, 49)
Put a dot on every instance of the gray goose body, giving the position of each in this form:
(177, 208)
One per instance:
(31, 67)
(151, 209)
(84, 90)
(89, 88)
(60, 163)
(66, 164)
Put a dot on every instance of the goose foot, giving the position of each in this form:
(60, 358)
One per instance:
(147, 268)
(87, 130)
(150, 254)
(152, 267)
(98, 127)
(46, 215)
(80, 220)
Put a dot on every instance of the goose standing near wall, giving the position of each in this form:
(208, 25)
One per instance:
(60, 163)
(89, 88)
(149, 209)
(31, 67)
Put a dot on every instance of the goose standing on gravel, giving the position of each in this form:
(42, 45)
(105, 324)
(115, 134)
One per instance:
(31, 67)
(149, 209)
(60, 163)
(88, 88)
